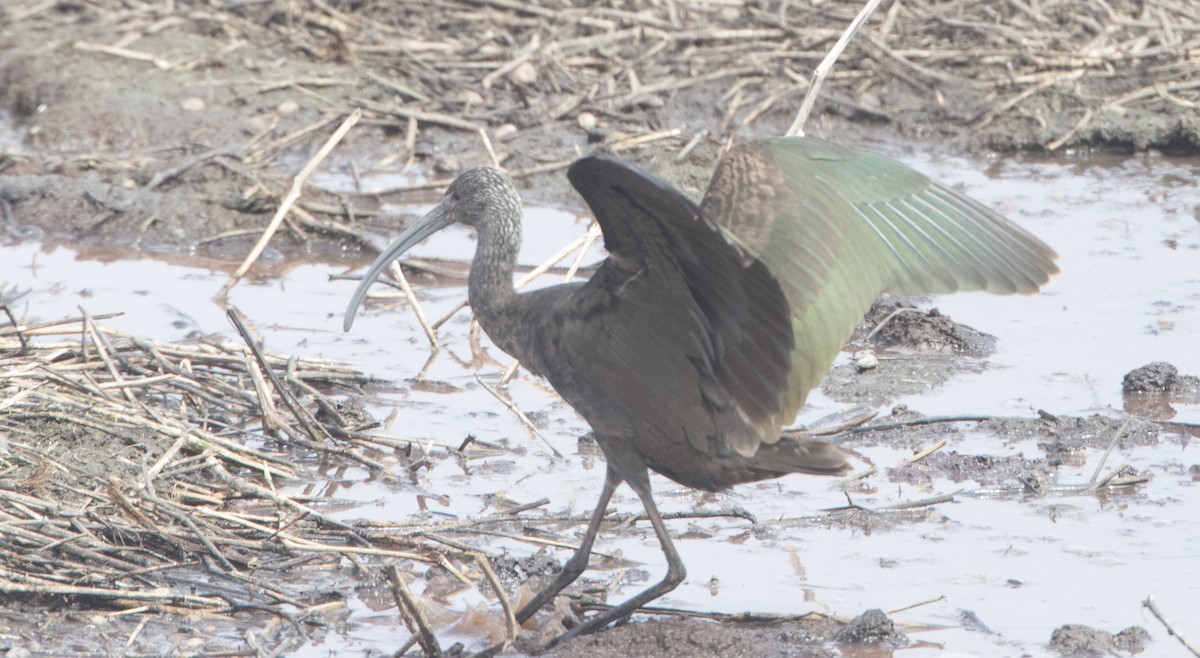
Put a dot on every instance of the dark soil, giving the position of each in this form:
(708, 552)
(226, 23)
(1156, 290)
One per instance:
(913, 350)
(182, 136)
(701, 639)
(872, 627)
(1151, 389)
(1079, 641)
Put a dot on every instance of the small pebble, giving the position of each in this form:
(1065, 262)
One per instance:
(288, 106)
(866, 361)
(193, 104)
(525, 73)
(586, 120)
(261, 123)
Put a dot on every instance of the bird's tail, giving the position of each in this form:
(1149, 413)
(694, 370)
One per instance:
(795, 455)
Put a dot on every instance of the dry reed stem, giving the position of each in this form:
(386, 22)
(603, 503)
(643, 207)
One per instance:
(520, 415)
(413, 614)
(289, 199)
(922, 454)
(510, 619)
(1150, 604)
(397, 274)
(826, 65)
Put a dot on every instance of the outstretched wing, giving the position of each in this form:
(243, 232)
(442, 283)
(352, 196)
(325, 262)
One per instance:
(837, 227)
(703, 328)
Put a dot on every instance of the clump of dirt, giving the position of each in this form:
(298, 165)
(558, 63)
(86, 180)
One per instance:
(903, 428)
(918, 350)
(1157, 377)
(1097, 432)
(1067, 440)
(984, 469)
(1151, 390)
(894, 323)
(850, 517)
(894, 376)
(350, 412)
(512, 570)
(872, 627)
(689, 638)
(1079, 641)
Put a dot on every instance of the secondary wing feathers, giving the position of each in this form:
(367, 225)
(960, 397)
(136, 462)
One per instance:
(839, 226)
(764, 281)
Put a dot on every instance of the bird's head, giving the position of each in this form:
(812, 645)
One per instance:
(477, 196)
(474, 198)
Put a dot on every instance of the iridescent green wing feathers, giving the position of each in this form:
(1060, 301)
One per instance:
(837, 227)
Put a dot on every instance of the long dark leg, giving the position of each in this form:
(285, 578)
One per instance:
(675, 569)
(578, 562)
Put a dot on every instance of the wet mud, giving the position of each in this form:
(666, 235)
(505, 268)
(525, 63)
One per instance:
(1079, 641)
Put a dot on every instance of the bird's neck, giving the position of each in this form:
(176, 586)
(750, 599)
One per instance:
(490, 284)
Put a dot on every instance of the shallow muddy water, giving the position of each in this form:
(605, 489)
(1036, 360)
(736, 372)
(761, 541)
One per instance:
(1129, 294)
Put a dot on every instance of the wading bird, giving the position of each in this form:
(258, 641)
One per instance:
(702, 332)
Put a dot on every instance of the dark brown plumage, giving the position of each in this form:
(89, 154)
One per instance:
(702, 332)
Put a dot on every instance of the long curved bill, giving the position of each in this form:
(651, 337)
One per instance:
(436, 220)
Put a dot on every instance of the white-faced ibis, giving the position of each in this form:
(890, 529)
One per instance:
(700, 335)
